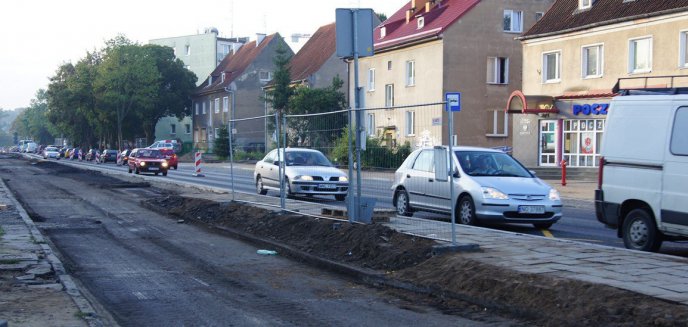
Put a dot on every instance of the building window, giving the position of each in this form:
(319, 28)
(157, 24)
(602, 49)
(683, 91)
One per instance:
(265, 76)
(551, 70)
(497, 70)
(410, 73)
(640, 55)
(683, 57)
(584, 4)
(498, 123)
(370, 124)
(217, 133)
(389, 65)
(203, 108)
(187, 128)
(217, 105)
(421, 22)
(371, 79)
(592, 57)
(538, 16)
(389, 95)
(513, 21)
(222, 77)
(410, 123)
(187, 50)
(383, 32)
(173, 129)
(225, 104)
(197, 106)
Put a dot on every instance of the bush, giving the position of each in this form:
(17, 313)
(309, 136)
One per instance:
(376, 155)
(240, 155)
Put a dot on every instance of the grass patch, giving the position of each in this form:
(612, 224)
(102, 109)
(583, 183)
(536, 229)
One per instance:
(9, 261)
(81, 315)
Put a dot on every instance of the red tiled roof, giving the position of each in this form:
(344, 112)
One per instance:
(233, 65)
(564, 15)
(439, 18)
(313, 55)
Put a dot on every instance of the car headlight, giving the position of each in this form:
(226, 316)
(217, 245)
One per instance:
(491, 193)
(343, 179)
(164, 164)
(554, 195)
(304, 178)
(143, 163)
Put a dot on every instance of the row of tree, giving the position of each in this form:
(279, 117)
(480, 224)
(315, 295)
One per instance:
(111, 95)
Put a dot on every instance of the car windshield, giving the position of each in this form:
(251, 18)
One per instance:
(148, 153)
(50, 149)
(484, 163)
(307, 158)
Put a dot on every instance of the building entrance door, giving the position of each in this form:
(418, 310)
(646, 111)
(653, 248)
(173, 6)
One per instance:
(548, 143)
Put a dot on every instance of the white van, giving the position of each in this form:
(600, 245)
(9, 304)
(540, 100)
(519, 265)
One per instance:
(643, 176)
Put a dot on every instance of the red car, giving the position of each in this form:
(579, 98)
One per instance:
(171, 157)
(147, 161)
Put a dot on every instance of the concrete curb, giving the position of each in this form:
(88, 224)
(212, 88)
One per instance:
(65, 279)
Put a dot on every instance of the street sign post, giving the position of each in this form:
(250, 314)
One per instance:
(453, 101)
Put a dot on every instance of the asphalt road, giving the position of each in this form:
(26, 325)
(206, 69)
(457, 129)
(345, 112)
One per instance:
(147, 270)
(578, 223)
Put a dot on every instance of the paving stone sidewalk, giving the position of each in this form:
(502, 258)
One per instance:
(35, 290)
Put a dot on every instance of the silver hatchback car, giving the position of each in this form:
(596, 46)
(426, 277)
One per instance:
(307, 172)
(489, 187)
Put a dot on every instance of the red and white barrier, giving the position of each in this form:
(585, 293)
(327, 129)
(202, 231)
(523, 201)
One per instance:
(197, 163)
(117, 162)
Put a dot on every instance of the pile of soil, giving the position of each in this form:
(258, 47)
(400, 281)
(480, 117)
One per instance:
(543, 300)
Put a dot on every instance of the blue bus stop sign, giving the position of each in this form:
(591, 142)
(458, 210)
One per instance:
(453, 101)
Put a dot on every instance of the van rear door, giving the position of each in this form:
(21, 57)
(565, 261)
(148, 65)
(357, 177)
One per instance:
(674, 209)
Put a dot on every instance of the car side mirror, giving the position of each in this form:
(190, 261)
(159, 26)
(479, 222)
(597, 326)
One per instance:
(532, 172)
(276, 163)
(456, 174)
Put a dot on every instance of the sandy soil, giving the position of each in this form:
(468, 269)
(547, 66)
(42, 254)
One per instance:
(543, 300)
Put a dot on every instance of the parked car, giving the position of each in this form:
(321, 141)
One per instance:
(307, 172)
(642, 189)
(167, 144)
(108, 155)
(51, 152)
(124, 157)
(489, 187)
(147, 160)
(31, 147)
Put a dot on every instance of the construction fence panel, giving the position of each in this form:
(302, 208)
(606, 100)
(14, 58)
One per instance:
(392, 134)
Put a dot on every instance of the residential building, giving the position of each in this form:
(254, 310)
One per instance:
(431, 47)
(316, 64)
(574, 56)
(234, 90)
(201, 53)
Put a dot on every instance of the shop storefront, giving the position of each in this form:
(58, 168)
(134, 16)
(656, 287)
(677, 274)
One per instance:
(548, 130)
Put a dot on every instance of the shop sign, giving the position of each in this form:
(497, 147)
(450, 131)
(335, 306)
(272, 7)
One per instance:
(436, 121)
(591, 109)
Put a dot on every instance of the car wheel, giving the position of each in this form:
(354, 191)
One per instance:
(156, 174)
(466, 211)
(403, 205)
(137, 171)
(340, 197)
(129, 168)
(164, 173)
(640, 232)
(259, 186)
(543, 225)
(175, 167)
(288, 186)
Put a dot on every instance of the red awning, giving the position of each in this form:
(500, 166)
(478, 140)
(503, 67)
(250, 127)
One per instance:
(530, 104)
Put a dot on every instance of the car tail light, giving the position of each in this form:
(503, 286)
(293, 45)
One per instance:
(600, 173)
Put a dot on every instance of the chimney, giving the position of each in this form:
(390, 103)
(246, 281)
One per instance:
(259, 38)
(420, 4)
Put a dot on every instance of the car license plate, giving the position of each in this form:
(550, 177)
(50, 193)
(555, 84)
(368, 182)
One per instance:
(327, 186)
(531, 209)
(153, 168)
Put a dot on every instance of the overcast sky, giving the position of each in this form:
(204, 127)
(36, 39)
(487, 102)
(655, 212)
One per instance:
(39, 35)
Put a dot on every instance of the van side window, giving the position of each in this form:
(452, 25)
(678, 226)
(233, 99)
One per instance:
(679, 135)
(425, 161)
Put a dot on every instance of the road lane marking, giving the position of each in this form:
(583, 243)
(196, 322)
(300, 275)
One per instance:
(547, 233)
(200, 282)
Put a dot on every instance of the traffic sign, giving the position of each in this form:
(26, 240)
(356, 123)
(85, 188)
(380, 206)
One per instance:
(453, 101)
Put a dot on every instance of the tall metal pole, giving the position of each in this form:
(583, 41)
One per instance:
(230, 125)
(357, 102)
(350, 192)
(281, 156)
(450, 149)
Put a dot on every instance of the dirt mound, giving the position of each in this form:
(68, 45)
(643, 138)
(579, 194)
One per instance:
(374, 246)
(543, 300)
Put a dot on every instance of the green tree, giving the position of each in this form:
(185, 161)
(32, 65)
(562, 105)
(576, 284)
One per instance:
(127, 80)
(280, 92)
(221, 145)
(381, 16)
(33, 121)
(174, 87)
(317, 131)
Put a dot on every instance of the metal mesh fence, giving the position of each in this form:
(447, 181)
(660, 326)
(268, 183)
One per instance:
(313, 151)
